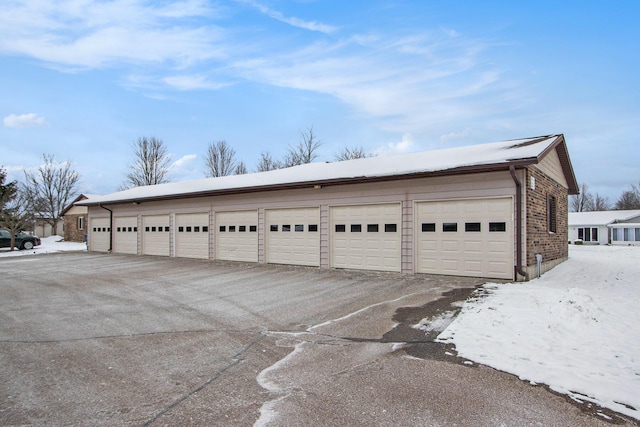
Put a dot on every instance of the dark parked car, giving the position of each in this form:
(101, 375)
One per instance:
(23, 241)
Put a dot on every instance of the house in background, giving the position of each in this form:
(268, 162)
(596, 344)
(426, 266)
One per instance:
(42, 228)
(605, 227)
(75, 221)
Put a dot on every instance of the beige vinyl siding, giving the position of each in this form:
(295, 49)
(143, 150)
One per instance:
(551, 166)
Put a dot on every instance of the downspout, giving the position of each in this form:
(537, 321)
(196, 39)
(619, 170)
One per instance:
(110, 225)
(519, 269)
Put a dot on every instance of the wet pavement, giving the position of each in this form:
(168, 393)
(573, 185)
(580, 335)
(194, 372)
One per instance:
(92, 339)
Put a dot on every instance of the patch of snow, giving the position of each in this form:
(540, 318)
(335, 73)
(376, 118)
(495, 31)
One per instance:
(437, 323)
(49, 245)
(576, 329)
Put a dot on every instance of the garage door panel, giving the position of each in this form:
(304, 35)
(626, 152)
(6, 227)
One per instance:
(481, 233)
(358, 239)
(155, 235)
(237, 236)
(125, 239)
(99, 234)
(192, 235)
(293, 237)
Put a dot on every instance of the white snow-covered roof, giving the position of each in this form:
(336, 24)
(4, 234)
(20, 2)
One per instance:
(600, 217)
(484, 155)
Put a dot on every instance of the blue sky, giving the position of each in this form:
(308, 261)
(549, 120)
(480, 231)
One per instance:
(83, 79)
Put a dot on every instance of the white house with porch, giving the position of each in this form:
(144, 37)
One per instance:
(605, 227)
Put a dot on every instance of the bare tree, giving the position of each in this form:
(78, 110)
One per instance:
(220, 160)
(241, 169)
(352, 153)
(583, 201)
(267, 163)
(601, 203)
(305, 151)
(629, 199)
(16, 214)
(150, 163)
(50, 189)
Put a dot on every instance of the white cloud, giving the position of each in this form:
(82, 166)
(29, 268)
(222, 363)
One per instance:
(405, 145)
(451, 136)
(23, 120)
(183, 161)
(193, 82)
(91, 34)
(293, 21)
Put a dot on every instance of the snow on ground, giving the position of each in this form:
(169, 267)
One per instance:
(49, 245)
(576, 329)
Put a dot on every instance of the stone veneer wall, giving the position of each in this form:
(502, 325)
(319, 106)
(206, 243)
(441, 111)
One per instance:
(552, 246)
(71, 232)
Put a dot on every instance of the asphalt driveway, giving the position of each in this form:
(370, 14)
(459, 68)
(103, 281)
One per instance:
(90, 339)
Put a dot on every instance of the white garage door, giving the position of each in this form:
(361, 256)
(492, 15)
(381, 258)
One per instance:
(465, 237)
(366, 237)
(155, 235)
(125, 239)
(293, 236)
(99, 233)
(237, 236)
(192, 235)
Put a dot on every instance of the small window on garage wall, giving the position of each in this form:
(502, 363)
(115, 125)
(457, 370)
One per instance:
(472, 227)
(313, 227)
(205, 229)
(356, 228)
(428, 227)
(188, 229)
(497, 227)
(286, 227)
(450, 227)
(166, 229)
(180, 229)
(232, 228)
(390, 228)
(273, 227)
(253, 228)
(340, 228)
(223, 228)
(196, 229)
(552, 209)
(242, 228)
(299, 227)
(153, 228)
(372, 228)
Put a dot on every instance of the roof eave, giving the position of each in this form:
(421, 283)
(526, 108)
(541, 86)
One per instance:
(323, 183)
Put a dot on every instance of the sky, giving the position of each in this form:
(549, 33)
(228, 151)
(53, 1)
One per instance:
(84, 79)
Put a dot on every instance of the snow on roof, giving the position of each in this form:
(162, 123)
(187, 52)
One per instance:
(495, 153)
(600, 217)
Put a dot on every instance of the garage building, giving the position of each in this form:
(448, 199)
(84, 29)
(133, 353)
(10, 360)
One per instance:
(495, 210)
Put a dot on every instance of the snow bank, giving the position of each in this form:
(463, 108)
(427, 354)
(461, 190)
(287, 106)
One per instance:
(49, 245)
(576, 329)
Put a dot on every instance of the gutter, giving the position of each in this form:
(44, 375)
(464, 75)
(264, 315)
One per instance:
(110, 225)
(519, 269)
